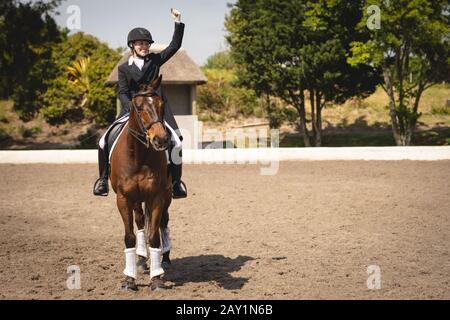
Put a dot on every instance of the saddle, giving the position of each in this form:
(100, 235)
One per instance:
(114, 133)
(116, 129)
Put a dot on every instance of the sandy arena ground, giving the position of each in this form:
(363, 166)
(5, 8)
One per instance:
(308, 232)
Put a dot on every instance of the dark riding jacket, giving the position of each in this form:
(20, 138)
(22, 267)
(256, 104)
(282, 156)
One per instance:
(130, 77)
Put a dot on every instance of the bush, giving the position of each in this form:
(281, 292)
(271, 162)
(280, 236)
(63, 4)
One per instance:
(245, 101)
(278, 114)
(29, 132)
(224, 98)
(4, 137)
(88, 140)
(3, 117)
(221, 98)
(66, 101)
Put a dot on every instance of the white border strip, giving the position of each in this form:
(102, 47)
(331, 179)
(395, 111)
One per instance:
(260, 155)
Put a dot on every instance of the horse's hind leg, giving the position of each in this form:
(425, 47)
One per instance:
(166, 243)
(126, 211)
(141, 248)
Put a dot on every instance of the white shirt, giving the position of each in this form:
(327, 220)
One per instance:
(138, 61)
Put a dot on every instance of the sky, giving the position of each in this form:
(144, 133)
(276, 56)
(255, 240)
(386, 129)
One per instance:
(111, 20)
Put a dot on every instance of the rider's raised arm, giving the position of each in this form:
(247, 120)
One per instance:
(177, 38)
(124, 91)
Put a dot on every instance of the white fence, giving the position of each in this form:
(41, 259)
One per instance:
(245, 155)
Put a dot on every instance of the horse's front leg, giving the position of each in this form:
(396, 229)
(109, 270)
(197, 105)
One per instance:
(156, 271)
(126, 211)
(141, 248)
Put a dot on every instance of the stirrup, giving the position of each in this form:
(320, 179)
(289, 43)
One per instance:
(103, 191)
(185, 189)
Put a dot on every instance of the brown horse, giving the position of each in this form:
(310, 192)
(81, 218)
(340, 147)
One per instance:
(139, 175)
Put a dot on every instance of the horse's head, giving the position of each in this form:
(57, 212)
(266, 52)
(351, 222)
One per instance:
(149, 113)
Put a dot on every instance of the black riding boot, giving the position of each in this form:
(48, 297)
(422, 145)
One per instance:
(101, 185)
(179, 189)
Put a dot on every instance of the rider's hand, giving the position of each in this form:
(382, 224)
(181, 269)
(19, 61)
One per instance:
(176, 15)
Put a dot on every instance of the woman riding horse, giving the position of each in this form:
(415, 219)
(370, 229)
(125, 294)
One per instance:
(141, 69)
(139, 175)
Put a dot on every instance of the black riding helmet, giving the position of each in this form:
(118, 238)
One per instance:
(139, 34)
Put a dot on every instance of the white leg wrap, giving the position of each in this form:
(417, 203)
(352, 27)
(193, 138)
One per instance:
(166, 244)
(130, 262)
(141, 248)
(155, 262)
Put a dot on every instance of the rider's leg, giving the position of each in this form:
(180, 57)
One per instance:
(101, 185)
(175, 167)
(175, 156)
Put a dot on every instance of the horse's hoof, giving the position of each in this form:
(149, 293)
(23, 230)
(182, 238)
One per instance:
(142, 265)
(129, 284)
(157, 284)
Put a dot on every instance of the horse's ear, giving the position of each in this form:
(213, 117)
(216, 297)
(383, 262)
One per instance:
(156, 83)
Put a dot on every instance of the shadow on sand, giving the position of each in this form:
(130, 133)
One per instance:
(208, 268)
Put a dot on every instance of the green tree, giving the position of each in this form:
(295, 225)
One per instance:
(296, 50)
(78, 91)
(27, 34)
(220, 60)
(411, 46)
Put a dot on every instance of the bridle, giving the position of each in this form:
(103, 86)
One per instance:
(141, 133)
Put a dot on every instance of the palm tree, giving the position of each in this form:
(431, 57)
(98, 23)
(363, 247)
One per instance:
(78, 77)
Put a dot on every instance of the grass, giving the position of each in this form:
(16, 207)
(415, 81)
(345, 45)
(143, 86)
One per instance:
(374, 111)
(445, 110)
